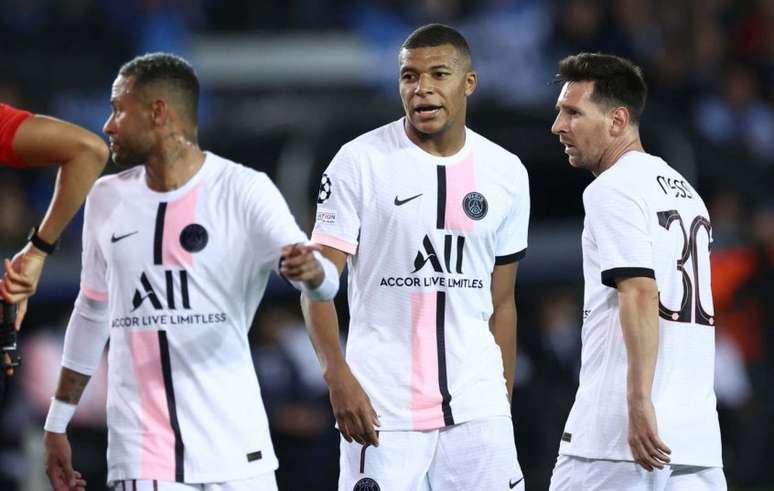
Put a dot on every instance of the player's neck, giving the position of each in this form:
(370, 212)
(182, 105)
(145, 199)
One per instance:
(441, 144)
(174, 165)
(615, 151)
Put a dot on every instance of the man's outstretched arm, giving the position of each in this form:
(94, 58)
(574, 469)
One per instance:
(82, 155)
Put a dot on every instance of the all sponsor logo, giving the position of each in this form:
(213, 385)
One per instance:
(453, 251)
(445, 261)
(172, 296)
(171, 305)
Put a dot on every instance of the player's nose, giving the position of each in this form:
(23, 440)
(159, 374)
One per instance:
(558, 126)
(424, 85)
(109, 127)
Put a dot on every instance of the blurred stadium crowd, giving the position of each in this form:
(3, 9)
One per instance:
(286, 82)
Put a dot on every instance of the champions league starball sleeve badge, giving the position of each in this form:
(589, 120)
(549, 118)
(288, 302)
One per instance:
(325, 189)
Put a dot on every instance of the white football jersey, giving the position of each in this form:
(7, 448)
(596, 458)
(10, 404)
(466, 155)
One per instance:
(182, 273)
(424, 234)
(644, 219)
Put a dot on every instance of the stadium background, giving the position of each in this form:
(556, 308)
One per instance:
(286, 82)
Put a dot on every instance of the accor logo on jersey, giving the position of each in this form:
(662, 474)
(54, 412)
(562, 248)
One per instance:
(427, 258)
(432, 257)
(149, 293)
(173, 296)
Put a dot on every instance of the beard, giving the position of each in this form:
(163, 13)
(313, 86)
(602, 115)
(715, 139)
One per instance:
(127, 158)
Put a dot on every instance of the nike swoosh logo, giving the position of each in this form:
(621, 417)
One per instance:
(512, 485)
(399, 202)
(113, 237)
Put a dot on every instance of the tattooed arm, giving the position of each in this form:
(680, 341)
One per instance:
(71, 386)
(85, 339)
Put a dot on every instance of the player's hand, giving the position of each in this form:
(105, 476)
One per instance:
(647, 448)
(21, 277)
(299, 264)
(59, 465)
(352, 408)
(9, 371)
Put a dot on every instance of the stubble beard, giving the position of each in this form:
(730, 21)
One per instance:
(127, 160)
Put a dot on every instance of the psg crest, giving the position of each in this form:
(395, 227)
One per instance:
(475, 205)
(193, 238)
(366, 484)
(325, 189)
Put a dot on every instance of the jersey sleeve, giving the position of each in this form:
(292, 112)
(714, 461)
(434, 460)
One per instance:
(618, 223)
(93, 264)
(512, 234)
(339, 199)
(271, 224)
(87, 333)
(10, 120)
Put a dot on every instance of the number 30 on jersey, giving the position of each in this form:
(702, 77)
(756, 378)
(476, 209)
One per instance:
(690, 304)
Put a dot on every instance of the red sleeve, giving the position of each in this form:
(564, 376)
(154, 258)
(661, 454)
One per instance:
(10, 119)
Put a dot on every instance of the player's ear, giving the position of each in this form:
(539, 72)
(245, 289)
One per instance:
(471, 81)
(159, 112)
(619, 121)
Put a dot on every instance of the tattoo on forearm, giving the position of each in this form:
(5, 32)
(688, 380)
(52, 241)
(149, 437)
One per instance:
(71, 386)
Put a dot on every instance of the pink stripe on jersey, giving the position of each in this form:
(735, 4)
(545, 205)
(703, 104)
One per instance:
(426, 398)
(179, 215)
(460, 180)
(158, 440)
(94, 294)
(336, 243)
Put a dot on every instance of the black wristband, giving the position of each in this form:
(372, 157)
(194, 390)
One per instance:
(40, 243)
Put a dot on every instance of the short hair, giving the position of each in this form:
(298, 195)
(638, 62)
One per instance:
(170, 70)
(432, 35)
(617, 81)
